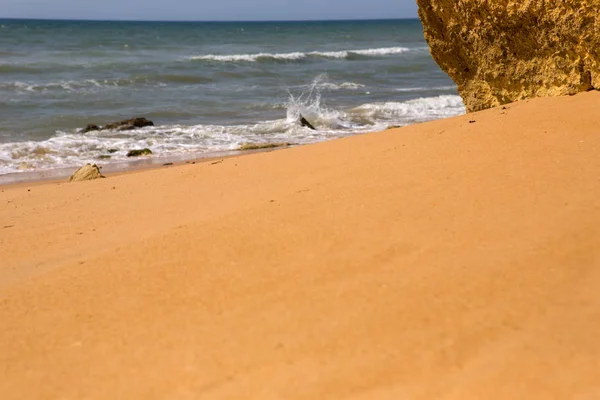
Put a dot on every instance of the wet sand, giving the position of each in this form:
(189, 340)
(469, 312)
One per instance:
(457, 259)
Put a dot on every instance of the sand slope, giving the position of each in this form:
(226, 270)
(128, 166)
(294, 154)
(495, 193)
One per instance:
(449, 260)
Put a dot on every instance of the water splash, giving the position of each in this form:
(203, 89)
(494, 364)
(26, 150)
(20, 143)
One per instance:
(308, 104)
(70, 149)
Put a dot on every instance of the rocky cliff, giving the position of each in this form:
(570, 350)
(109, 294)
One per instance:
(500, 51)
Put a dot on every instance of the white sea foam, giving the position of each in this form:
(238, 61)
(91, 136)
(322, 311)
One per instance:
(251, 57)
(71, 149)
(386, 51)
(343, 85)
(381, 52)
(23, 86)
(417, 110)
(322, 82)
(329, 54)
(308, 104)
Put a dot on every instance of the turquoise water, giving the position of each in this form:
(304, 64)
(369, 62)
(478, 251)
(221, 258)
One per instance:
(207, 86)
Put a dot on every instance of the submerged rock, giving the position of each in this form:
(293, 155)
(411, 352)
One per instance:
(86, 173)
(90, 128)
(305, 123)
(125, 125)
(129, 124)
(138, 153)
(502, 51)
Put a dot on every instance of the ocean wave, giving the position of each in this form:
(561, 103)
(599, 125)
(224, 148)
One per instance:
(71, 149)
(381, 52)
(70, 86)
(343, 85)
(175, 78)
(411, 111)
(251, 57)
(87, 85)
(66, 64)
(333, 86)
(295, 56)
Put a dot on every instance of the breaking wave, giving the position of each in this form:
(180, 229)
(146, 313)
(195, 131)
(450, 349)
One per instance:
(71, 149)
(295, 56)
(95, 84)
(412, 111)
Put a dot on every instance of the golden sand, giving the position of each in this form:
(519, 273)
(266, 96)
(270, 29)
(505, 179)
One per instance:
(447, 260)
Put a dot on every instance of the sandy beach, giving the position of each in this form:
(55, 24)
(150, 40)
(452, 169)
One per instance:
(456, 259)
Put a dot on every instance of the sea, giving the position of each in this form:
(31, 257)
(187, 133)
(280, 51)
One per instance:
(209, 87)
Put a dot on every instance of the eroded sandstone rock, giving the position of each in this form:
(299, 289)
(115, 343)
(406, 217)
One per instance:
(502, 51)
(86, 173)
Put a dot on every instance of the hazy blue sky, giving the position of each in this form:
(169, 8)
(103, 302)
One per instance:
(205, 10)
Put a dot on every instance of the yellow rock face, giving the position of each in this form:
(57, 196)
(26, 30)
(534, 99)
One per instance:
(86, 173)
(500, 51)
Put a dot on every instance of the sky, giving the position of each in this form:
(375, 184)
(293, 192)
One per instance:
(208, 10)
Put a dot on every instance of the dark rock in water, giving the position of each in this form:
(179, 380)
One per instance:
(129, 124)
(90, 128)
(125, 125)
(112, 151)
(138, 153)
(305, 123)
(86, 173)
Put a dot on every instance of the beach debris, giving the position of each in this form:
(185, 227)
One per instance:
(216, 162)
(139, 152)
(125, 125)
(167, 164)
(305, 123)
(86, 173)
(260, 146)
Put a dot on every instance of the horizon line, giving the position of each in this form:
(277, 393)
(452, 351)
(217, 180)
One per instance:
(206, 21)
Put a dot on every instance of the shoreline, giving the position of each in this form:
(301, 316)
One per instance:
(453, 259)
(138, 164)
